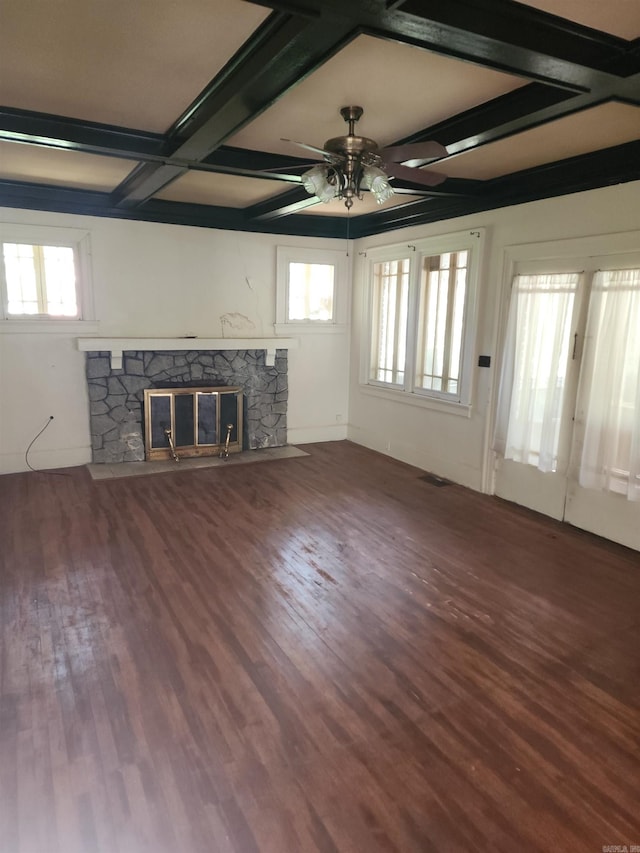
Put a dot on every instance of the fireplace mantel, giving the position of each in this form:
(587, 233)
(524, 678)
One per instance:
(116, 346)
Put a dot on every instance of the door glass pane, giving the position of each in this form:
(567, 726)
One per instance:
(535, 369)
(611, 385)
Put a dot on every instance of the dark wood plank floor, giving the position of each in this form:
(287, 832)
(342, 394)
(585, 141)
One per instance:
(317, 654)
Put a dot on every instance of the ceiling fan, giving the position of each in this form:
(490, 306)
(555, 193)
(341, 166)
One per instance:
(353, 163)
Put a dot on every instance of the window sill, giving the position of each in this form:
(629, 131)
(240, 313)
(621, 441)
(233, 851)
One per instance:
(311, 328)
(47, 326)
(423, 402)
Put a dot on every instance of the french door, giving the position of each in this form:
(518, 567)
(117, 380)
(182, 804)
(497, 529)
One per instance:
(567, 436)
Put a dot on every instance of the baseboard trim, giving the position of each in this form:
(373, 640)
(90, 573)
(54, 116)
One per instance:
(308, 435)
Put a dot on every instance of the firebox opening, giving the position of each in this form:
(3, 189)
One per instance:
(184, 422)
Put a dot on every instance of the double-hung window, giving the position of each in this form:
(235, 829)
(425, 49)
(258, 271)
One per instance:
(44, 274)
(421, 316)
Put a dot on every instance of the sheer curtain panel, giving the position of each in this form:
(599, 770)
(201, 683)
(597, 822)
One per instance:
(534, 367)
(610, 387)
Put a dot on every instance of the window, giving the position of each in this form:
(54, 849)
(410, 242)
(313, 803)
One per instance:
(422, 299)
(312, 290)
(43, 274)
(40, 280)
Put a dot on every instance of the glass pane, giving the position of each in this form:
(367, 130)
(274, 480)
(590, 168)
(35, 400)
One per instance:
(228, 415)
(389, 320)
(183, 409)
(311, 289)
(207, 412)
(160, 408)
(60, 281)
(540, 320)
(611, 385)
(441, 322)
(20, 273)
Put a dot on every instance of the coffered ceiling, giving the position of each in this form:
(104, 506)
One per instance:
(177, 110)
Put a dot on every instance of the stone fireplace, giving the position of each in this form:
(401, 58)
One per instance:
(116, 394)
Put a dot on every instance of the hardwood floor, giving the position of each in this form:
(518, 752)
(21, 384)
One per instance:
(315, 654)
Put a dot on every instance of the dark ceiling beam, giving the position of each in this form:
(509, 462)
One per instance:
(257, 161)
(75, 135)
(270, 63)
(480, 122)
(31, 196)
(498, 34)
(283, 51)
(589, 171)
(608, 167)
(583, 68)
(283, 204)
(525, 28)
(518, 111)
(44, 131)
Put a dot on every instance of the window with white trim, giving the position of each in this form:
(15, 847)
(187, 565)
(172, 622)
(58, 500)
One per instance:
(43, 273)
(312, 290)
(422, 317)
(40, 280)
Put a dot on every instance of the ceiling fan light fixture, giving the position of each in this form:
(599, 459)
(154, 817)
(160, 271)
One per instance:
(377, 182)
(316, 182)
(352, 163)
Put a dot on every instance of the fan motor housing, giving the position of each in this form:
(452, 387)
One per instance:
(359, 147)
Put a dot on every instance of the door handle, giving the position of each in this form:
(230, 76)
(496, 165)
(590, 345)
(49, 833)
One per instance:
(575, 346)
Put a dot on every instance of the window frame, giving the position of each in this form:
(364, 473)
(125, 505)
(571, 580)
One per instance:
(286, 255)
(46, 235)
(471, 241)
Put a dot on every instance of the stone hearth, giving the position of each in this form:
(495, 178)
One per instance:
(116, 396)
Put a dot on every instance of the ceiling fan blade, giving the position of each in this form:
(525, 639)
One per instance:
(327, 154)
(414, 151)
(415, 176)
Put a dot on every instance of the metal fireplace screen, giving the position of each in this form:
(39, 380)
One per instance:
(192, 422)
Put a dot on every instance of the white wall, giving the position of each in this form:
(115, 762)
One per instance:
(449, 445)
(152, 280)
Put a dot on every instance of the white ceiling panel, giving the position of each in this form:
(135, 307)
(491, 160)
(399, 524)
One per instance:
(61, 168)
(581, 133)
(133, 63)
(401, 88)
(226, 190)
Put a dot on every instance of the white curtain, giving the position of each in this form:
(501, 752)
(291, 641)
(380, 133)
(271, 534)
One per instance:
(610, 387)
(534, 366)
